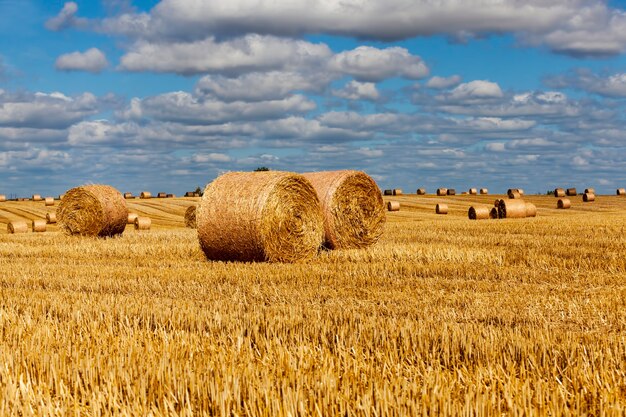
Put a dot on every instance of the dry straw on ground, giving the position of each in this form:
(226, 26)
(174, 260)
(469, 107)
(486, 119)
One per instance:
(39, 226)
(621, 191)
(590, 190)
(484, 191)
(143, 223)
(421, 191)
(570, 192)
(589, 197)
(451, 191)
(441, 208)
(145, 194)
(442, 191)
(260, 216)
(559, 192)
(354, 211)
(478, 213)
(93, 210)
(17, 227)
(531, 210)
(51, 218)
(130, 219)
(473, 191)
(563, 203)
(190, 217)
(512, 209)
(49, 201)
(393, 206)
(397, 191)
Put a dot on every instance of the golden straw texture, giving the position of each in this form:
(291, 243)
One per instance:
(260, 216)
(130, 219)
(441, 208)
(512, 209)
(589, 197)
(143, 223)
(478, 213)
(51, 218)
(563, 203)
(39, 226)
(393, 206)
(559, 192)
(190, 217)
(531, 210)
(17, 227)
(93, 210)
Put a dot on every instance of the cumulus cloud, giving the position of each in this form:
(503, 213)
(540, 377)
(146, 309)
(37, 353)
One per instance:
(440, 83)
(475, 91)
(366, 63)
(613, 85)
(355, 90)
(66, 18)
(92, 60)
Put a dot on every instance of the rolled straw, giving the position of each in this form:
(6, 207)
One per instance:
(131, 218)
(143, 223)
(442, 191)
(493, 213)
(473, 191)
(3, 198)
(531, 210)
(563, 203)
(145, 195)
(559, 192)
(17, 227)
(397, 191)
(388, 192)
(49, 201)
(51, 218)
(478, 213)
(421, 191)
(441, 208)
(514, 195)
(393, 206)
(590, 190)
(39, 226)
(36, 197)
(571, 192)
(589, 197)
(484, 191)
(190, 217)
(621, 191)
(512, 209)
(451, 191)
(128, 196)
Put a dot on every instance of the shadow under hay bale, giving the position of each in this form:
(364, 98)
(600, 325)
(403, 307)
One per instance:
(478, 213)
(563, 203)
(441, 208)
(190, 217)
(17, 227)
(393, 206)
(143, 223)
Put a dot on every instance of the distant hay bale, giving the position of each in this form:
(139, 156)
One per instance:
(170, 196)
(261, 216)
(189, 194)
(51, 218)
(3, 198)
(17, 227)
(590, 191)
(571, 192)
(441, 208)
(621, 191)
(393, 206)
(130, 219)
(464, 193)
(451, 191)
(531, 210)
(61, 196)
(388, 192)
(559, 192)
(145, 195)
(493, 214)
(589, 197)
(354, 211)
(128, 196)
(190, 217)
(563, 203)
(421, 191)
(397, 191)
(512, 209)
(162, 195)
(143, 223)
(36, 197)
(93, 210)
(442, 191)
(39, 226)
(514, 195)
(473, 191)
(49, 201)
(478, 213)
(484, 191)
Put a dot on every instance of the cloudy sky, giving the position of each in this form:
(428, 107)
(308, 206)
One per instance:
(165, 95)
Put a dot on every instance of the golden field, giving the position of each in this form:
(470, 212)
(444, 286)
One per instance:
(444, 316)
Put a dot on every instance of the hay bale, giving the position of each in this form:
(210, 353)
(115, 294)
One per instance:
(145, 195)
(397, 191)
(17, 227)
(451, 191)
(170, 196)
(463, 192)
(514, 195)
(39, 226)
(3, 198)
(621, 191)
(130, 219)
(143, 223)
(442, 191)
(484, 191)
(559, 192)
(531, 210)
(493, 214)
(421, 191)
(51, 218)
(128, 196)
(354, 211)
(49, 201)
(473, 191)
(563, 203)
(571, 192)
(441, 208)
(190, 217)
(478, 213)
(512, 209)
(93, 210)
(590, 191)
(388, 192)
(497, 202)
(190, 194)
(36, 197)
(261, 216)
(589, 197)
(61, 196)
(161, 195)
(393, 206)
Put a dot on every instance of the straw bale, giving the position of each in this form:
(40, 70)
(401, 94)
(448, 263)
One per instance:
(442, 191)
(39, 226)
(531, 210)
(190, 217)
(473, 191)
(451, 191)
(93, 210)
(464, 192)
(621, 191)
(130, 219)
(393, 206)
(397, 191)
(421, 191)
(512, 209)
(563, 203)
(590, 190)
(388, 192)
(36, 197)
(493, 214)
(4, 198)
(261, 216)
(570, 192)
(143, 223)
(497, 202)
(589, 197)
(484, 191)
(61, 196)
(559, 192)
(145, 194)
(441, 208)
(478, 213)
(51, 218)
(162, 195)
(128, 196)
(49, 201)
(514, 195)
(170, 196)
(17, 227)
(354, 211)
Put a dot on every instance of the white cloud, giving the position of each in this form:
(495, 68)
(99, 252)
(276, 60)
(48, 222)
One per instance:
(495, 147)
(92, 60)
(613, 85)
(370, 153)
(210, 157)
(66, 18)
(478, 89)
(440, 83)
(366, 63)
(355, 90)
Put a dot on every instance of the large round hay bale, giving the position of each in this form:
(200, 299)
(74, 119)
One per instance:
(589, 197)
(143, 223)
(559, 192)
(17, 227)
(571, 192)
(190, 217)
(393, 206)
(590, 191)
(512, 209)
(49, 201)
(493, 214)
(51, 218)
(145, 194)
(93, 210)
(130, 219)
(451, 191)
(442, 191)
(484, 191)
(441, 208)
(473, 191)
(261, 216)
(421, 191)
(354, 211)
(531, 210)
(39, 226)
(563, 203)
(3, 198)
(621, 191)
(478, 213)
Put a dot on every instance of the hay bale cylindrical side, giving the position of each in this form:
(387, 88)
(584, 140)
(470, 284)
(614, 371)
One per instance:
(563, 203)
(513, 195)
(397, 191)
(589, 197)
(51, 218)
(559, 192)
(17, 227)
(190, 217)
(261, 216)
(36, 197)
(478, 213)
(421, 191)
(93, 210)
(393, 206)
(49, 201)
(621, 191)
(570, 192)
(145, 195)
(590, 191)
(493, 213)
(39, 226)
(161, 195)
(170, 196)
(3, 198)
(354, 211)
(128, 196)
(441, 208)
(451, 191)
(484, 191)
(143, 223)
(473, 191)
(442, 191)
(512, 209)
(130, 219)
(531, 210)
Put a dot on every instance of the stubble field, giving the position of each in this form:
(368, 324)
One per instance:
(444, 316)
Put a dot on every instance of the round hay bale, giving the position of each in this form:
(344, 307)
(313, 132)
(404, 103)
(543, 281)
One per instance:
(478, 213)
(464, 192)
(451, 191)
(128, 196)
(473, 191)
(497, 202)
(143, 223)
(36, 197)
(531, 210)
(145, 195)
(17, 227)
(441, 208)
(570, 192)
(39, 226)
(49, 201)
(190, 217)
(162, 195)
(261, 216)
(93, 210)
(559, 192)
(442, 191)
(189, 194)
(397, 191)
(421, 191)
(563, 203)
(354, 211)
(393, 206)
(484, 191)
(130, 219)
(51, 218)
(493, 214)
(388, 192)
(61, 196)
(514, 195)
(170, 196)
(590, 191)
(621, 191)
(512, 209)
(589, 197)
(3, 198)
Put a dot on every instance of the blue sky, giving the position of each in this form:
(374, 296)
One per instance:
(166, 95)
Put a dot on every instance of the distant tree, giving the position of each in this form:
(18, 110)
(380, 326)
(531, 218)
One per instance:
(199, 191)
(550, 192)
(261, 169)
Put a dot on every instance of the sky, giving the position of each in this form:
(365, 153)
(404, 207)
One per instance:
(166, 95)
